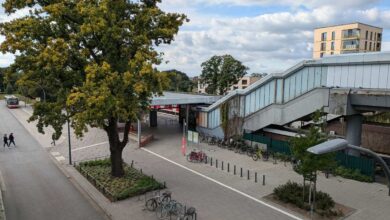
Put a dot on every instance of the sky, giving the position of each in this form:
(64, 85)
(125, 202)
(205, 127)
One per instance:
(266, 35)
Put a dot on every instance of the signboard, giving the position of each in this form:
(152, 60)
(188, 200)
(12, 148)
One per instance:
(190, 136)
(195, 137)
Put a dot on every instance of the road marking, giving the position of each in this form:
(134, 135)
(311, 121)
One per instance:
(226, 186)
(93, 145)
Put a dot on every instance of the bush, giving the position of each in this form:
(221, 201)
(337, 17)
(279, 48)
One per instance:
(352, 174)
(133, 183)
(292, 192)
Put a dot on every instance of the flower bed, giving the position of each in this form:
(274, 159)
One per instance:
(133, 183)
(293, 193)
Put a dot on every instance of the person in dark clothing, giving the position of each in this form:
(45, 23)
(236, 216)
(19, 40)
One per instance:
(11, 139)
(5, 140)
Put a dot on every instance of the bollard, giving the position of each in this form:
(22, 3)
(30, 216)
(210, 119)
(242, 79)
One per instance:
(205, 160)
(248, 175)
(255, 177)
(140, 171)
(152, 177)
(263, 180)
(132, 162)
(222, 165)
(241, 172)
(228, 167)
(234, 169)
(211, 161)
(216, 163)
(165, 186)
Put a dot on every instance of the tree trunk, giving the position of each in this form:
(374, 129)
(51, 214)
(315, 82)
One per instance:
(116, 146)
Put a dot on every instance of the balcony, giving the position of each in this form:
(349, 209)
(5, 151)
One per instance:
(351, 34)
(350, 47)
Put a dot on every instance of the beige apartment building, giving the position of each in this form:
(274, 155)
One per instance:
(347, 38)
(243, 83)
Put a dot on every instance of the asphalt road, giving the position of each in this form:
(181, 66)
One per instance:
(34, 187)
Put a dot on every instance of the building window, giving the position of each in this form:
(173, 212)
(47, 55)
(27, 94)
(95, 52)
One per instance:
(366, 35)
(331, 53)
(374, 36)
(378, 46)
(371, 35)
(323, 46)
(244, 82)
(244, 87)
(332, 45)
(321, 55)
(235, 87)
(379, 37)
(365, 45)
(369, 47)
(333, 35)
(323, 36)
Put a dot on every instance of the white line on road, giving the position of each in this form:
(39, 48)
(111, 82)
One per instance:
(93, 145)
(226, 186)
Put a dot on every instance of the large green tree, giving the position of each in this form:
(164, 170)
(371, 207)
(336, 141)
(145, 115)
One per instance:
(179, 81)
(221, 72)
(93, 60)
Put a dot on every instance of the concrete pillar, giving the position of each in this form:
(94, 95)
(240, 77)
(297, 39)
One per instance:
(153, 118)
(354, 132)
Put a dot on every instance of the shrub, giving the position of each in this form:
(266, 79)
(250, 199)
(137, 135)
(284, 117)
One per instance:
(133, 183)
(292, 192)
(352, 174)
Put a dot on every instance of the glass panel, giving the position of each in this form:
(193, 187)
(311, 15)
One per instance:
(266, 95)
(252, 105)
(298, 84)
(311, 78)
(305, 76)
(292, 87)
(384, 72)
(257, 101)
(324, 74)
(279, 91)
(286, 89)
(262, 97)
(317, 77)
(247, 105)
(272, 92)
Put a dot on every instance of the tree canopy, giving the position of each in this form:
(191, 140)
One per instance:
(95, 59)
(221, 72)
(179, 81)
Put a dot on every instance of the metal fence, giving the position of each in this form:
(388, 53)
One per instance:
(365, 165)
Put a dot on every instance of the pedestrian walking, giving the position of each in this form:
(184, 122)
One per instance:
(11, 139)
(5, 140)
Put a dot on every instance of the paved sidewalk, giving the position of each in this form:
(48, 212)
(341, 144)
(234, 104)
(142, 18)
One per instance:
(370, 200)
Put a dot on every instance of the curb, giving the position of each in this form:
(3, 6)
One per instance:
(71, 178)
(2, 209)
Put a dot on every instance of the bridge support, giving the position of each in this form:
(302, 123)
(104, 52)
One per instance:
(153, 118)
(354, 131)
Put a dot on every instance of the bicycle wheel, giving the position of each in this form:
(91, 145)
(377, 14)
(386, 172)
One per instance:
(255, 157)
(162, 212)
(189, 158)
(166, 199)
(151, 204)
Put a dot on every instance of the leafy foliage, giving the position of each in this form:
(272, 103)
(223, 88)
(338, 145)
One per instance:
(179, 81)
(292, 192)
(310, 163)
(352, 174)
(221, 72)
(95, 59)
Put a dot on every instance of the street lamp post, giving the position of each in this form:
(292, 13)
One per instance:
(341, 144)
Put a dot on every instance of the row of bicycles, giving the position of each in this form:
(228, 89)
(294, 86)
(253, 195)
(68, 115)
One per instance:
(238, 145)
(167, 208)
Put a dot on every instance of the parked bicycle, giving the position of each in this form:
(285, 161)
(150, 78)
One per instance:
(189, 214)
(152, 203)
(172, 208)
(252, 150)
(260, 153)
(196, 156)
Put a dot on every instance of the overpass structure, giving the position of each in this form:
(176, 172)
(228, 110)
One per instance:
(347, 85)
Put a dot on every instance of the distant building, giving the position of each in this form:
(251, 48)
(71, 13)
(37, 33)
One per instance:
(243, 83)
(346, 38)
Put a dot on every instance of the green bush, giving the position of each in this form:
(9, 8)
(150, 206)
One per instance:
(133, 183)
(352, 174)
(292, 192)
